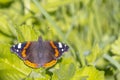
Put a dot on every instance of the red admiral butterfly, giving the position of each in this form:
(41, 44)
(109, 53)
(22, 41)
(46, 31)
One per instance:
(39, 53)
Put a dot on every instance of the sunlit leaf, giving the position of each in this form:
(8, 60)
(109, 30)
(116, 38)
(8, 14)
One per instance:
(94, 54)
(11, 67)
(26, 33)
(88, 73)
(65, 71)
(115, 47)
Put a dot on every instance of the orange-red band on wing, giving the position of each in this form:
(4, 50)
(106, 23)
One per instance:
(24, 49)
(33, 65)
(56, 50)
(49, 64)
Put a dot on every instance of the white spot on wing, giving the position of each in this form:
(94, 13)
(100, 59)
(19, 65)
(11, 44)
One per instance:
(19, 45)
(60, 45)
(17, 50)
(62, 50)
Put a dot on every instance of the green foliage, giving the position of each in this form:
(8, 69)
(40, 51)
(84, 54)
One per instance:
(88, 73)
(115, 47)
(90, 28)
(65, 67)
(23, 32)
(10, 65)
(95, 53)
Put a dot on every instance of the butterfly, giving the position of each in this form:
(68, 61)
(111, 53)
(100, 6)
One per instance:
(39, 53)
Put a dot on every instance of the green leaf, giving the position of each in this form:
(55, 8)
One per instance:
(112, 61)
(5, 1)
(95, 53)
(88, 73)
(65, 70)
(6, 31)
(115, 47)
(11, 67)
(27, 33)
(36, 75)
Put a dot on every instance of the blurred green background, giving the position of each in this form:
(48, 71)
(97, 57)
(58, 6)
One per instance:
(91, 28)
